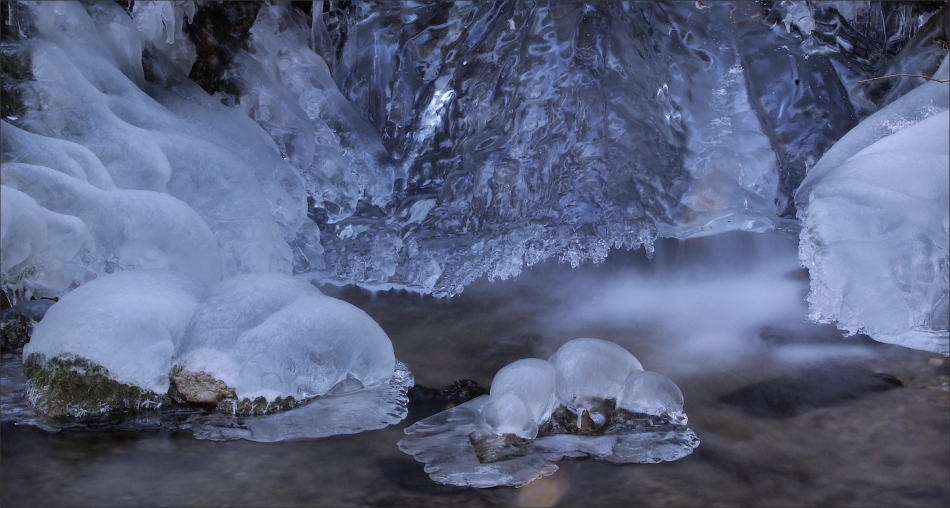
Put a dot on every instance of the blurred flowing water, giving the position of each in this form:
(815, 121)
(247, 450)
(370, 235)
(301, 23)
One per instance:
(788, 412)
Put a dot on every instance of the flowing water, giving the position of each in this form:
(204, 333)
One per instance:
(788, 412)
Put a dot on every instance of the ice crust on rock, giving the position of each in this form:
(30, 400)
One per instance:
(271, 335)
(369, 408)
(130, 323)
(255, 335)
(876, 216)
(492, 440)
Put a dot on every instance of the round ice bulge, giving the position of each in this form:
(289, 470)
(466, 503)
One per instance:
(508, 415)
(652, 393)
(533, 381)
(271, 335)
(590, 369)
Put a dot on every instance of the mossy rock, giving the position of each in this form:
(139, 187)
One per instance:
(75, 387)
(15, 332)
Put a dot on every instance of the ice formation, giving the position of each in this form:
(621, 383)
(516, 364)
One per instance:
(515, 434)
(271, 335)
(875, 224)
(422, 146)
(130, 323)
(251, 344)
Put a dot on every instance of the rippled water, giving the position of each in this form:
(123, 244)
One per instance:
(788, 412)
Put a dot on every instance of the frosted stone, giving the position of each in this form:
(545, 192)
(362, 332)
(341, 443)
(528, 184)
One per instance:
(129, 322)
(652, 393)
(271, 335)
(588, 369)
(533, 381)
(875, 233)
(507, 415)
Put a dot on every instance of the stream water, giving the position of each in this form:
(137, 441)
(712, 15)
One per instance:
(788, 412)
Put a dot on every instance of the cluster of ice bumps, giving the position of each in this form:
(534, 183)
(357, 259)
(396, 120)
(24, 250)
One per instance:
(252, 344)
(592, 398)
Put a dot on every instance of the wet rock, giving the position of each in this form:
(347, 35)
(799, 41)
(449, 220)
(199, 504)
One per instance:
(198, 387)
(810, 389)
(490, 447)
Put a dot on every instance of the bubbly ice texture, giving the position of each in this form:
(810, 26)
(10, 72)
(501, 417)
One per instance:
(876, 216)
(129, 323)
(652, 393)
(533, 381)
(271, 335)
(588, 369)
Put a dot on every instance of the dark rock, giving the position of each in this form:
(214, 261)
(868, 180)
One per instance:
(790, 396)
(218, 30)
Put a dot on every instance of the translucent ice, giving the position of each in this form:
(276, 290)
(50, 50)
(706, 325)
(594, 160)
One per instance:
(507, 415)
(652, 393)
(369, 408)
(588, 369)
(875, 225)
(532, 381)
(491, 441)
(271, 335)
(130, 323)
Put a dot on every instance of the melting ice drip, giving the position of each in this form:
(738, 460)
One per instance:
(591, 399)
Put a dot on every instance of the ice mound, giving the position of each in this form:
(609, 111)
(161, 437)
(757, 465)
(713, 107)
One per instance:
(876, 216)
(143, 173)
(252, 344)
(515, 434)
(591, 369)
(129, 324)
(271, 335)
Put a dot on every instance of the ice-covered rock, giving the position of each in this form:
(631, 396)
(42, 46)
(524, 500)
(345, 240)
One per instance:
(251, 344)
(274, 336)
(876, 221)
(514, 435)
(126, 326)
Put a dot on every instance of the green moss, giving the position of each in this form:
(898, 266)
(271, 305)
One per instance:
(72, 386)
